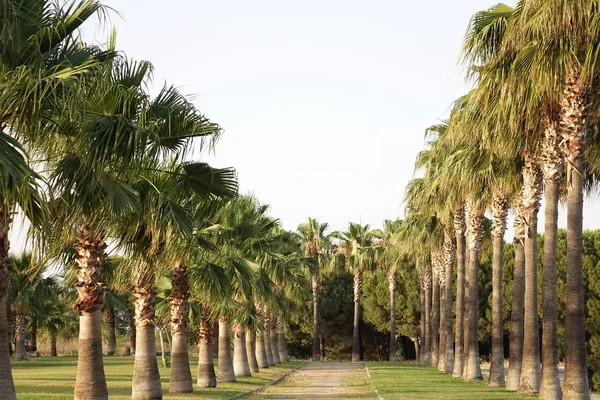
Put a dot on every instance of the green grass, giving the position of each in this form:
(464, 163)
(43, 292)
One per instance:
(414, 381)
(53, 378)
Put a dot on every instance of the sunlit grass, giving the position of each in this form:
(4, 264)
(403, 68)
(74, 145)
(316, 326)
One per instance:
(54, 378)
(413, 381)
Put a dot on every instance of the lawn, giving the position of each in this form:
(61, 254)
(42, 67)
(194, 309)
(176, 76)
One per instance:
(413, 381)
(53, 378)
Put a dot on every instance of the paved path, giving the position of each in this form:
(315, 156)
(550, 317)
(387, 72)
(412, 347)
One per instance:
(322, 380)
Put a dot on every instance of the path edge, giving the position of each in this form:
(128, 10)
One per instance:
(263, 387)
(371, 381)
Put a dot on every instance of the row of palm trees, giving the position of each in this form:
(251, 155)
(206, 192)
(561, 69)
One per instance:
(95, 162)
(525, 130)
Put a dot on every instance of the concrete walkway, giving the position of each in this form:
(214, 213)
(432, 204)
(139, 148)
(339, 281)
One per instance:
(322, 380)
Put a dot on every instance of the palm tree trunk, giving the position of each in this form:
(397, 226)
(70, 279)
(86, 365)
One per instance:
(180, 380)
(6, 380)
(274, 340)
(442, 329)
(449, 259)
(225, 364)
(261, 349)
(466, 316)
(281, 342)
(532, 190)
(572, 128)
(552, 169)
(435, 314)
(474, 220)
(20, 324)
(315, 289)
(427, 286)
(267, 338)
(518, 298)
(422, 326)
(392, 287)
(53, 352)
(356, 343)
(111, 346)
(33, 334)
(251, 350)
(146, 378)
(206, 366)
(90, 382)
(499, 215)
(241, 365)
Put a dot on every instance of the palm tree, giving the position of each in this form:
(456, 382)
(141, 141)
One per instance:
(315, 242)
(357, 256)
(28, 290)
(388, 255)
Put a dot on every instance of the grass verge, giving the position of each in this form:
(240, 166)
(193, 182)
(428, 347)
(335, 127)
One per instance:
(54, 378)
(403, 381)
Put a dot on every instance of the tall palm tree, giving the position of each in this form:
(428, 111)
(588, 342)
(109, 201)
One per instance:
(357, 256)
(38, 38)
(388, 254)
(315, 243)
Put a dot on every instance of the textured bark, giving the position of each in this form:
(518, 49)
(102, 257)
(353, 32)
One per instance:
(6, 380)
(449, 260)
(241, 365)
(459, 231)
(436, 263)
(466, 315)
(281, 342)
(422, 322)
(427, 287)
(53, 352)
(572, 130)
(532, 190)
(273, 338)
(552, 166)
(251, 350)
(442, 313)
(90, 382)
(356, 342)
(267, 338)
(225, 364)
(315, 290)
(516, 319)
(206, 366)
(33, 335)
(499, 215)
(261, 346)
(474, 220)
(146, 378)
(392, 287)
(181, 376)
(111, 346)
(20, 324)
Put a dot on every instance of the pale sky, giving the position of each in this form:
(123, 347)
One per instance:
(323, 103)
